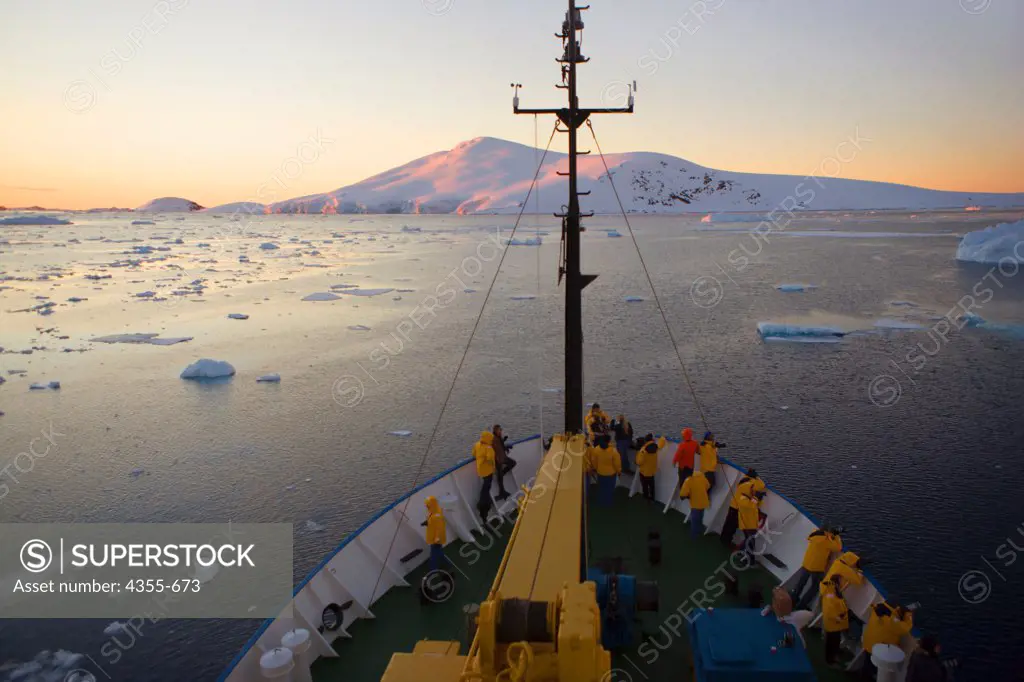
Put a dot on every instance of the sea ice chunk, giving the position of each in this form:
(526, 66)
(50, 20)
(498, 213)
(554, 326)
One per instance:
(269, 246)
(238, 316)
(794, 287)
(773, 330)
(322, 296)
(993, 244)
(274, 378)
(208, 369)
(633, 299)
(400, 433)
(365, 292)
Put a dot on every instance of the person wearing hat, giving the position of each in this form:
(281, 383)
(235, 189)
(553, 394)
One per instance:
(835, 618)
(709, 457)
(821, 545)
(623, 440)
(750, 484)
(604, 460)
(685, 452)
(695, 488)
(925, 665)
(437, 532)
(647, 464)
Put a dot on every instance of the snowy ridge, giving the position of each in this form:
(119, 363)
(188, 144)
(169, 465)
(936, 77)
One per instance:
(169, 205)
(488, 175)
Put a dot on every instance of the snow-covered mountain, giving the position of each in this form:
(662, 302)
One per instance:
(238, 207)
(169, 205)
(488, 175)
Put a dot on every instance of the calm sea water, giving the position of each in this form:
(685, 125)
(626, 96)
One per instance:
(917, 452)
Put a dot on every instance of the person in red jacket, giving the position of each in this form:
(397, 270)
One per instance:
(685, 454)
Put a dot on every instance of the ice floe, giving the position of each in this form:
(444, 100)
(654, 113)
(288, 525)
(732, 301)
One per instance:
(322, 296)
(788, 288)
(523, 297)
(633, 299)
(772, 331)
(152, 339)
(114, 628)
(34, 220)
(906, 304)
(976, 321)
(400, 433)
(238, 316)
(269, 246)
(143, 222)
(530, 241)
(208, 369)
(314, 527)
(365, 292)
(1003, 242)
(359, 327)
(274, 378)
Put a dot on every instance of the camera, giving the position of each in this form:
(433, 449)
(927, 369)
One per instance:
(950, 662)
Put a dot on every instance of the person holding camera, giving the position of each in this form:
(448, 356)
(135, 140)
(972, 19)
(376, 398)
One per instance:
(821, 545)
(749, 518)
(750, 483)
(886, 625)
(623, 440)
(835, 619)
(503, 463)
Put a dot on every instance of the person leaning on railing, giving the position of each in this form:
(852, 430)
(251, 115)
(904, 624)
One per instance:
(821, 544)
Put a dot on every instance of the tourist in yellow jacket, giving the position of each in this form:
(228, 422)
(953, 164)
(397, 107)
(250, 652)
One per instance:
(886, 625)
(749, 515)
(821, 545)
(596, 421)
(647, 464)
(749, 484)
(483, 453)
(708, 451)
(835, 618)
(847, 567)
(695, 488)
(605, 461)
(437, 532)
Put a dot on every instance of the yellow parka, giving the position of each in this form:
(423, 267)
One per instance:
(696, 488)
(594, 415)
(483, 453)
(708, 456)
(646, 461)
(437, 529)
(835, 617)
(844, 568)
(886, 629)
(820, 546)
(748, 512)
(748, 487)
(605, 461)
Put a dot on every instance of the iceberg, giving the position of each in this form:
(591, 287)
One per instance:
(531, 241)
(614, 233)
(1002, 242)
(34, 220)
(795, 287)
(208, 369)
(238, 316)
(143, 222)
(772, 331)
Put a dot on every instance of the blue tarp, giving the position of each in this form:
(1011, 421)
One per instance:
(735, 645)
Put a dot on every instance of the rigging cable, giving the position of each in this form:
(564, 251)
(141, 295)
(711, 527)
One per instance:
(650, 283)
(451, 389)
(540, 336)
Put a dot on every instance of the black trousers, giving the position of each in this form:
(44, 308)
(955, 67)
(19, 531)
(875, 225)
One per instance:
(684, 473)
(647, 486)
(710, 475)
(483, 505)
(732, 522)
(832, 642)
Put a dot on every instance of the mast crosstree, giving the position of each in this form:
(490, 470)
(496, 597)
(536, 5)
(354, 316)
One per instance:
(572, 117)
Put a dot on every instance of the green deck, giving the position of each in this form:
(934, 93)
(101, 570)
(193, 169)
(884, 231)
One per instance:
(616, 531)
